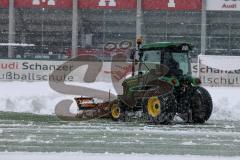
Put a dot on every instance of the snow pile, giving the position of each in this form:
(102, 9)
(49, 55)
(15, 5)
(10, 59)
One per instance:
(106, 156)
(39, 98)
(35, 97)
(226, 103)
(28, 97)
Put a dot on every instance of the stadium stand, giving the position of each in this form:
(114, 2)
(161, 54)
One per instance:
(50, 29)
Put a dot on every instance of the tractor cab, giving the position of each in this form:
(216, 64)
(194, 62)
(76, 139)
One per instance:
(173, 56)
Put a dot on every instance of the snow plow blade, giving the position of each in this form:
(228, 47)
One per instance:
(89, 109)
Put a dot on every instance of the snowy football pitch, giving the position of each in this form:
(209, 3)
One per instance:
(27, 134)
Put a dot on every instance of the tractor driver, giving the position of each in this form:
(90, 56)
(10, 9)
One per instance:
(172, 64)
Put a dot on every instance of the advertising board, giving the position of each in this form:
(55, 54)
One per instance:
(223, 5)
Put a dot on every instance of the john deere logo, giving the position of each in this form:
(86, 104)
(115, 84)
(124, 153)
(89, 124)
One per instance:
(39, 2)
(110, 3)
(185, 48)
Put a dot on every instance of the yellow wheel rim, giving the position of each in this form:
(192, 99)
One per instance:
(115, 111)
(154, 106)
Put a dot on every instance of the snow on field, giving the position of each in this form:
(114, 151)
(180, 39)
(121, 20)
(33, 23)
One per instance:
(106, 156)
(226, 103)
(39, 98)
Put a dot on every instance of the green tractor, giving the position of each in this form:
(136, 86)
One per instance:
(163, 86)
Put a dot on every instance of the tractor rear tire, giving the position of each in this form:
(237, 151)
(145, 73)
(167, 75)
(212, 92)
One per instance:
(201, 105)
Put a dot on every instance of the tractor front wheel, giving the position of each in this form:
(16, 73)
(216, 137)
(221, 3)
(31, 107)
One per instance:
(160, 110)
(116, 112)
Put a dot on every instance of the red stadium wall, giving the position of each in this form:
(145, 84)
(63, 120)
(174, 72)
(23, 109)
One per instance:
(172, 5)
(4, 3)
(83, 51)
(118, 4)
(108, 4)
(62, 4)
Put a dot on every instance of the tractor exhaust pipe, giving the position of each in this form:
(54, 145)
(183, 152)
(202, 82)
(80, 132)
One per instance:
(132, 57)
(133, 54)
